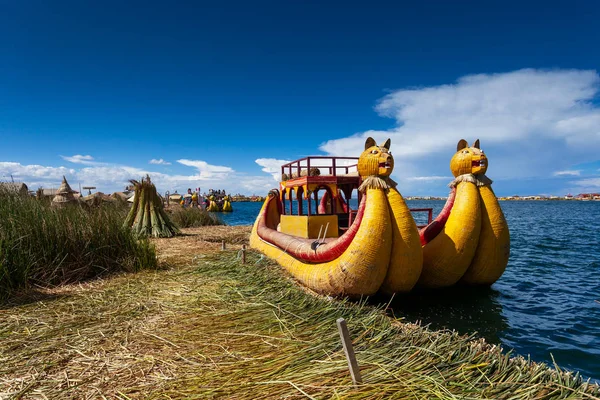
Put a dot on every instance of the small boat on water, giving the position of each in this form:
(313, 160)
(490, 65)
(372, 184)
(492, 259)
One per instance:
(219, 203)
(308, 226)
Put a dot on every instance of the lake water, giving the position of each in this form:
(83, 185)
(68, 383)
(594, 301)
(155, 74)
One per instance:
(546, 303)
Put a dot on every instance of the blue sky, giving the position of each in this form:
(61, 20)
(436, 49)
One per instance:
(96, 90)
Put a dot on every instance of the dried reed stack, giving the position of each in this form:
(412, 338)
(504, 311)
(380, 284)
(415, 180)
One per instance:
(147, 216)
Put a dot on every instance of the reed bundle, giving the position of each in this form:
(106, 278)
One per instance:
(147, 216)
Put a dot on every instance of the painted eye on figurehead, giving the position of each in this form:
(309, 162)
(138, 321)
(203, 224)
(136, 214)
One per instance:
(465, 151)
(374, 151)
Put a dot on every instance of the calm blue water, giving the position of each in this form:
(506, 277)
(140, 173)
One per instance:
(545, 303)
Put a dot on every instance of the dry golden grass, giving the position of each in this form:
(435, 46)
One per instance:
(181, 250)
(210, 327)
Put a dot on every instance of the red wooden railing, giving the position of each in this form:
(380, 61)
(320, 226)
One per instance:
(429, 215)
(296, 166)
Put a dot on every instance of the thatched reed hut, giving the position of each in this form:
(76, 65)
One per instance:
(123, 196)
(14, 187)
(98, 198)
(64, 195)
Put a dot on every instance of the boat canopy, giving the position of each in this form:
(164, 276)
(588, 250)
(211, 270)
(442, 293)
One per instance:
(315, 193)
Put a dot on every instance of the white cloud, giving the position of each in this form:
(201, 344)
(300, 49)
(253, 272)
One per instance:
(568, 173)
(530, 122)
(272, 166)
(110, 178)
(208, 171)
(590, 184)
(35, 175)
(36, 172)
(160, 161)
(79, 159)
(259, 185)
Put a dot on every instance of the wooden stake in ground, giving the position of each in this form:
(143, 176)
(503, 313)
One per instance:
(147, 216)
(349, 351)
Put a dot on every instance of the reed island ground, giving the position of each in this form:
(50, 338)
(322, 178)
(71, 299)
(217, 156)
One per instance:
(207, 326)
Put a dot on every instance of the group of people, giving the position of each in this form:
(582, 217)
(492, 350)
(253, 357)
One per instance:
(196, 199)
(217, 193)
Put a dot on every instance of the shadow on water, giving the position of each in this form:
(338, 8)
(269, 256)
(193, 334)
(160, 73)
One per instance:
(463, 309)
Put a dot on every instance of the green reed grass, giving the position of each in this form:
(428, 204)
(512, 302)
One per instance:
(41, 245)
(193, 217)
(221, 329)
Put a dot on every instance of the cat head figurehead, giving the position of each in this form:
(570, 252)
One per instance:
(376, 160)
(468, 160)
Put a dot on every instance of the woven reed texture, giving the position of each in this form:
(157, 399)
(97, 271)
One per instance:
(447, 257)
(375, 182)
(479, 180)
(370, 160)
(462, 161)
(368, 164)
(360, 270)
(493, 250)
(406, 260)
(64, 195)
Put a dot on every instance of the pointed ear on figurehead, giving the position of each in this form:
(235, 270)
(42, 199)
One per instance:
(370, 143)
(462, 143)
(387, 144)
(476, 144)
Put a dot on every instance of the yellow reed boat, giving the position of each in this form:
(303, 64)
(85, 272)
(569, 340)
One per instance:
(309, 228)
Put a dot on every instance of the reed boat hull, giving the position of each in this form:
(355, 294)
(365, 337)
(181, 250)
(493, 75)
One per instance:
(448, 255)
(380, 248)
(493, 249)
(406, 261)
(214, 207)
(353, 265)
